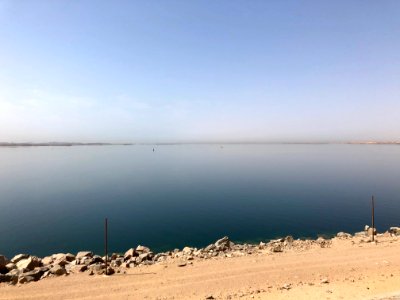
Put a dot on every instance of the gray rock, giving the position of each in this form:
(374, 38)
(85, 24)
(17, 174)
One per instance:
(10, 266)
(223, 244)
(18, 257)
(29, 263)
(58, 270)
(79, 268)
(83, 254)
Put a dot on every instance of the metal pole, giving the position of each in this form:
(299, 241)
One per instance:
(373, 218)
(106, 242)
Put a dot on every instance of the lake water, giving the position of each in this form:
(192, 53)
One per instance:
(54, 199)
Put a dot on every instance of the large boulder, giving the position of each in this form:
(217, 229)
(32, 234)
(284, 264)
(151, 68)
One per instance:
(29, 263)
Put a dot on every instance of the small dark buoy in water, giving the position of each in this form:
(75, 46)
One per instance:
(153, 149)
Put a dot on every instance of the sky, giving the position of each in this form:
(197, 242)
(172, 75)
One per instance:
(191, 71)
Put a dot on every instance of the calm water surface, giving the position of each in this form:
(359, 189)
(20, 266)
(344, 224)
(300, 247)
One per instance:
(54, 199)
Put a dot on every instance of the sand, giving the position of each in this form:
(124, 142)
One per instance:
(346, 270)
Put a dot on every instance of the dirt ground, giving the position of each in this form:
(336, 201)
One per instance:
(346, 270)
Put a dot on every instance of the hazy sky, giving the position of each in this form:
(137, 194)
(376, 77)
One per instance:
(199, 70)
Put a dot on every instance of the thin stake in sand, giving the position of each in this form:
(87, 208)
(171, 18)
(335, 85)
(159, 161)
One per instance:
(373, 217)
(106, 243)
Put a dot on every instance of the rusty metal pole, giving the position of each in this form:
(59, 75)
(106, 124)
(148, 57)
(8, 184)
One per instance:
(373, 218)
(106, 243)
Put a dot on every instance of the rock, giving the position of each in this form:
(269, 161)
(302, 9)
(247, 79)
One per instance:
(97, 259)
(209, 248)
(18, 257)
(360, 234)
(5, 278)
(84, 261)
(323, 243)
(344, 235)
(129, 254)
(35, 274)
(277, 247)
(97, 269)
(47, 260)
(325, 280)
(83, 254)
(187, 250)
(142, 249)
(223, 244)
(28, 263)
(366, 227)
(9, 278)
(79, 268)
(110, 271)
(286, 286)
(210, 297)
(182, 264)
(10, 266)
(58, 270)
(25, 279)
(394, 230)
(146, 256)
(45, 275)
(63, 259)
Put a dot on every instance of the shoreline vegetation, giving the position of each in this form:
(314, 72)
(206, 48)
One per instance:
(70, 144)
(25, 268)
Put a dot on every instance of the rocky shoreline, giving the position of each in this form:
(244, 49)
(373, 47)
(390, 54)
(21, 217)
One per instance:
(25, 268)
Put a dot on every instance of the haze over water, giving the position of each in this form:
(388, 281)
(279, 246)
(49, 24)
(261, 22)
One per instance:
(54, 199)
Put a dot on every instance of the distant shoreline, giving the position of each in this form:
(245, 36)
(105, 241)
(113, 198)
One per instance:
(70, 144)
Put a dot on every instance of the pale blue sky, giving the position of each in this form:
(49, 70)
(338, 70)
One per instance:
(199, 70)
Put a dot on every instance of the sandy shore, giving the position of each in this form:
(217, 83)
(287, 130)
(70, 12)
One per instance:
(347, 269)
